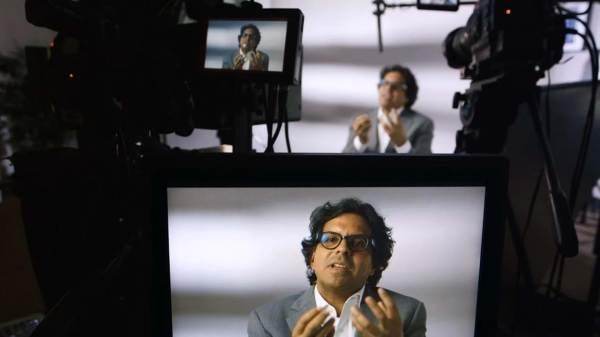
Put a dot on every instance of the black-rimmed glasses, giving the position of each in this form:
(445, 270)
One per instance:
(358, 242)
(397, 86)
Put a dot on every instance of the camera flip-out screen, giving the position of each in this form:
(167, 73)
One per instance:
(262, 46)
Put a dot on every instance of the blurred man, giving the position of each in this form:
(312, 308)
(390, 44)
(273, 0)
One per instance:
(348, 249)
(394, 127)
(247, 57)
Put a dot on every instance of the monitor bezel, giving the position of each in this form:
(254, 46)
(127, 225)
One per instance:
(438, 7)
(227, 170)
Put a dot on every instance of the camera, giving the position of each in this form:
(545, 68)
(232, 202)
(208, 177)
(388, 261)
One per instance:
(505, 48)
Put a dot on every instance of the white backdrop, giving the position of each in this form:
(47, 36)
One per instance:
(232, 249)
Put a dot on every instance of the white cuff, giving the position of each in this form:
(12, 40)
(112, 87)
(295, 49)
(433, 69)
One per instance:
(360, 147)
(404, 148)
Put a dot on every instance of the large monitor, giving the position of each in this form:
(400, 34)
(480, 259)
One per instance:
(229, 230)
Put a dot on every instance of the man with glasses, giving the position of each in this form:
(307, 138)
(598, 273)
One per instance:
(348, 248)
(394, 127)
(247, 57)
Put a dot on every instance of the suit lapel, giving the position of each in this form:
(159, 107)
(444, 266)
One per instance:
(305, 302)
(364, 308)
(373, 144)
(407, 117)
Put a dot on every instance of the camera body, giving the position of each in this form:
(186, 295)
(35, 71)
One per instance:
(505, 48)
(507, 37)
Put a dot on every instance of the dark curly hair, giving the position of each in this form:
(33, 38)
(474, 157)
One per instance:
(253, 27)
(383, 243)
(412, 89)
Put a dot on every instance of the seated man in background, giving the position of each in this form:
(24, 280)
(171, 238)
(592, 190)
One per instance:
(348, 249)
(394, 127)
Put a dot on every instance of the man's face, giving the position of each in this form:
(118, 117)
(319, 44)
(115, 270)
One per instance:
(341, 270)
(248, 40)
(392, 94)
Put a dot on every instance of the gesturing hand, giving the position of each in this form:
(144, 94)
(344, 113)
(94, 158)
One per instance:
(361, 125)
(390, 324)
(394, 128)
(251, 55)
(310, 324)
(238, 61)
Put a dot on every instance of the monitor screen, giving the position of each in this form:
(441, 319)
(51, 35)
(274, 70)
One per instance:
(256, 45)
(244, 46)
(234, 246)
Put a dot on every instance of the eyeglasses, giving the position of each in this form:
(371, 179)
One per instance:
(250, 36)
(397, 86)
(358, 242)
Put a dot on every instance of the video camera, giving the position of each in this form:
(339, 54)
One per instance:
(501, 37)
(505, 48)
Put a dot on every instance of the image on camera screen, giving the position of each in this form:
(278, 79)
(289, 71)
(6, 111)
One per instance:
(245, 45)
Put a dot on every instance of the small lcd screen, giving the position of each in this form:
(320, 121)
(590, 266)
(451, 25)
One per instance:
(244, 45)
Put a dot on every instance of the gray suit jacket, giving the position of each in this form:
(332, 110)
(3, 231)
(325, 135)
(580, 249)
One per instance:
(277, 319)
(263, 65)
(419, 129)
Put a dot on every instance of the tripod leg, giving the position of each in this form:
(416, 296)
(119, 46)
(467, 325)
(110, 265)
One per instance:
(525, 267)
(564, 229)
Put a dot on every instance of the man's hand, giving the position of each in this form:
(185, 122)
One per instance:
(361, 125)
(238, 62)
(311, 324)
(394, 128)
(390, 324)
(251, 55)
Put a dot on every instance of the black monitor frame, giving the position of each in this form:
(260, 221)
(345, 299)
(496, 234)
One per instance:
(304, 170)
(292, 59)
(423, 4)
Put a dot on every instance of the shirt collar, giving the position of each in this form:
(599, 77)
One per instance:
(354, 299)
(397, 111)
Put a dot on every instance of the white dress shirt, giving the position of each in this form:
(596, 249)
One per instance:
(343, 324)
(384, 138)
(246, 65)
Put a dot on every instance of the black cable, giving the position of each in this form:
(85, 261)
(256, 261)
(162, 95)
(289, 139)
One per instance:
(532, 203)
(279, 114)
(588, 32)
(548, 106)
(552, 273)
(523, 236)
(586, 11)
(286, 121)
(584, 145)
(523, 266)
(589, 119)
(561, 267)
(269, 119)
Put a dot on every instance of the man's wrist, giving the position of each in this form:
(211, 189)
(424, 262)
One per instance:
(404, 148)
(358, 145)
